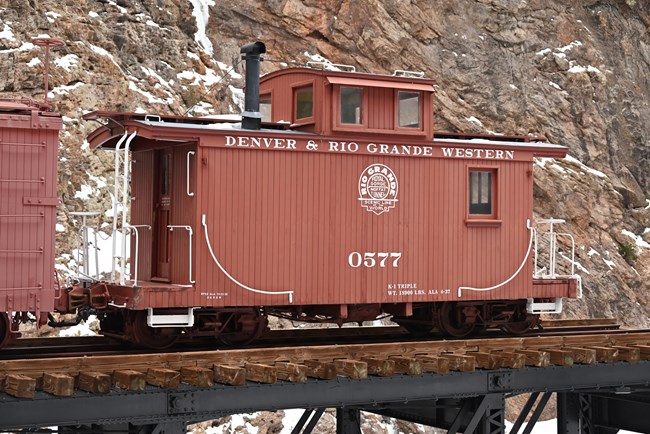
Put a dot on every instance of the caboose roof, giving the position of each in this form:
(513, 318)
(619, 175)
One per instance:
(174, 130)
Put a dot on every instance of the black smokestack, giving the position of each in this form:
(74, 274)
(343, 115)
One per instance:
(252, 118)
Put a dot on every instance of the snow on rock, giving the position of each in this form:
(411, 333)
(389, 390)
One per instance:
(585, 167)
(67, 62)
(62, 90)
(638, 239)
(201, 13)
(52, 16)
(35, 61)
(7, 33)
(474, 121)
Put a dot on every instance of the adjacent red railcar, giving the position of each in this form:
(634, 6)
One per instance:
(341, 207)
(28, 200)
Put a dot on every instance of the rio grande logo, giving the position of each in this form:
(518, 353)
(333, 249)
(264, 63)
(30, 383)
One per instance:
(378, 188)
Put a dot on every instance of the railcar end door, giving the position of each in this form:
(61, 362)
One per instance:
(161, 254)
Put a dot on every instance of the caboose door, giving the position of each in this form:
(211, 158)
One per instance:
(161, 255)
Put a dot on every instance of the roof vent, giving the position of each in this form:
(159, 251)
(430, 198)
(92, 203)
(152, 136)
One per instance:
(404, 73)
(329, 66)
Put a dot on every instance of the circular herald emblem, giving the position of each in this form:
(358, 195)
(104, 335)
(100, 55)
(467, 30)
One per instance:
(378, 188)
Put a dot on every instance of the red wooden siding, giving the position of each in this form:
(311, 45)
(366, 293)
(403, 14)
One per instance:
(28, 200)
(282, 220)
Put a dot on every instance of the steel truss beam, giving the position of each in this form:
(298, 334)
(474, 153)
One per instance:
(159, 406)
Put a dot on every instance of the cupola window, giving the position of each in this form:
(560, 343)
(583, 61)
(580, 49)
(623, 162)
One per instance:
(304, 102)
(409, 109)
(351, 105)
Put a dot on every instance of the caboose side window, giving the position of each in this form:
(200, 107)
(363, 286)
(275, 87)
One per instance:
(481, 192)
(351, 105)
(304, 102)
(408, 109)
(265, 108)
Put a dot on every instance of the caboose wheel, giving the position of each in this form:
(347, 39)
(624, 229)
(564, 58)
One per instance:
(243, 329)
(5, 330)
(452, 321)
(154, 338)
(521, 322)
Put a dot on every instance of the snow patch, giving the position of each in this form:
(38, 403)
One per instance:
(609, 263)
(59, 227)
(35, 61)
(208, 79)
(638, 239)
(230, 71)
(82, 329)
(592, 252)
(52, 16)
(237, 96)
(7, 33)
(120, 8)
(585, 167)
(93, 14)
(67, 62)
(62, 90)
(570, 46)
(84, 193)
(26, 46)
(102, 52)
(201, 12)
(150, 97)
(474, 120)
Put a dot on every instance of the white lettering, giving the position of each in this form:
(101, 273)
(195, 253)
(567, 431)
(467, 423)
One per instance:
(230, 141)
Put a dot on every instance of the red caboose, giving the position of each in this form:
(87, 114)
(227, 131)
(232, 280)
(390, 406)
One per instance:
(29, 137)
(333, 200)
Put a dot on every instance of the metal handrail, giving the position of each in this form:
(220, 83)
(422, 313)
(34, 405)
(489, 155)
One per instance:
(137, 250)
(189, 193)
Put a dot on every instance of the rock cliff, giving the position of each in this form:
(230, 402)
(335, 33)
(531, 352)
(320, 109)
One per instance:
(574, 72)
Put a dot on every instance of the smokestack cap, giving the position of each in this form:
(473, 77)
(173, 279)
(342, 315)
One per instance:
(254, 48)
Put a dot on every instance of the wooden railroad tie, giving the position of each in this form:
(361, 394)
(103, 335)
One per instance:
(58, 384)
(535, 358)
(435, 364)
(644, 351)
(485, 360)
(292, 372)
(628, 354)
(165, 378)
(94, 382)
(379, 367)
(133, 381)
(605, 354)
(351, 368)
(321, 370)
(20, 386)
(560, 357)
(583, 356)
(407, 365)
(196, 376)
(260, 373)
(460, 362)
(232, 375)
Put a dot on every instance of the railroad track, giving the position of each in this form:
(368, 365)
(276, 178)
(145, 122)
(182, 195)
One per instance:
(85, 345)
(99, 374)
